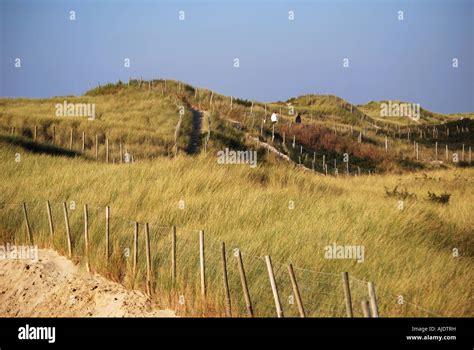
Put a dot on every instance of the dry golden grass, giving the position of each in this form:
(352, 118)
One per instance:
(143, 121)
(408, 252)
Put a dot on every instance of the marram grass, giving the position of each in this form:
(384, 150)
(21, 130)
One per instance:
(408, 251)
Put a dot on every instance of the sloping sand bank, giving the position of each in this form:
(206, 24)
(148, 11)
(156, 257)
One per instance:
(55, 287)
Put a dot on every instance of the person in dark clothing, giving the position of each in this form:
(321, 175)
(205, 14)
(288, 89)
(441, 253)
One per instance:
(298, 119)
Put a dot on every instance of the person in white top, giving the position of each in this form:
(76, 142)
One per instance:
(274, 117)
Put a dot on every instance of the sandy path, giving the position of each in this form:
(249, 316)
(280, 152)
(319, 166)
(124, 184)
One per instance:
(55, 287)
(195, 142)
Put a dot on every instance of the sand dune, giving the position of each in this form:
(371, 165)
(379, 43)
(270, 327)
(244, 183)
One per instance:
(55, 287)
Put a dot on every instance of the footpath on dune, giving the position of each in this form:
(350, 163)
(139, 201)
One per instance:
(195, 141)
(53, 286)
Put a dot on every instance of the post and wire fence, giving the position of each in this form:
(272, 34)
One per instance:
(192, 271)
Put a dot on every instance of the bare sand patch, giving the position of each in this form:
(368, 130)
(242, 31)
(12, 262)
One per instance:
(56, 287)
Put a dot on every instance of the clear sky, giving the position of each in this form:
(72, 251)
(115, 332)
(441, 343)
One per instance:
(388, 59)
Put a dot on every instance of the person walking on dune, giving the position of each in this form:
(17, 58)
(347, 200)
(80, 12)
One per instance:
(274, 118)
(298, 119)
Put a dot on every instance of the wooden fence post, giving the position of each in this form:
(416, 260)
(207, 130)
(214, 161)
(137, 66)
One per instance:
(83, 142)
(347, 294)
(35, 133)
(50, 220)
(202, 264)
(148, 259)
(86, 239)
(271, 276)
(135, 250)
(243, 281)
(54, 134)
(106, 150)
(373, 300)
(173, 254)
(365, 308)
(107, 235)
(68, 231)
(121, 152)
(228, 305)
(96, 147)
(296, 291)
(27, 223)
(70, 138)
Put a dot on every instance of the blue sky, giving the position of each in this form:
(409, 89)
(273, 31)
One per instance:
(388, 59)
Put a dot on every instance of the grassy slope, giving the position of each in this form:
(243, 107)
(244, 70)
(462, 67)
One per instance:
(407, 252)
(143, 118)
(329, 110)
(144, 121)
(426, 117)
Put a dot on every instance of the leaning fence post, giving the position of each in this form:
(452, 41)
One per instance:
(365, 308)
(107, 235)
(50, 220)
(27, 223)
(243, 280)
(202, 263)
(228, 305)
(373, 300)
(106, 150)
(86, 239)
(148, 259)
(271, 276)
(135, 249)
(296, 291)
(68, 230)
(347, 294)
(173, 254)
